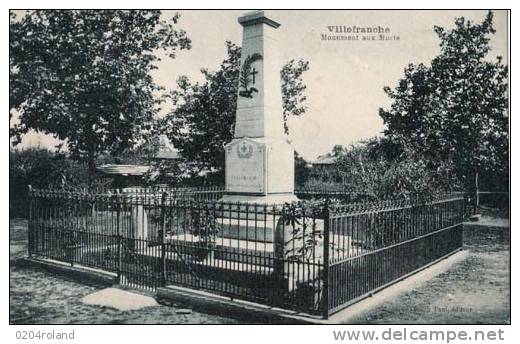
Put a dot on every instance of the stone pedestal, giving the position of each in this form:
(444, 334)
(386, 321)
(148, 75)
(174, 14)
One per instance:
(138, 216)
(139, 222)
(259, 160)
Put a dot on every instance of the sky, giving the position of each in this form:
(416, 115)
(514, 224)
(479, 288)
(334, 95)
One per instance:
(346, 78)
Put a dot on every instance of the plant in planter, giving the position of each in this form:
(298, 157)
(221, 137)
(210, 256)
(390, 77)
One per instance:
(304, 245)
(204, 227)
(305, 236)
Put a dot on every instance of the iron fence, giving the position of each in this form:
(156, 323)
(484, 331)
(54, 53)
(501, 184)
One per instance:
(315, 257)
(214, 193)
(374, 245)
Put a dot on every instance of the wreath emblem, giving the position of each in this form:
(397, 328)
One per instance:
(244, 150)
(247, 76)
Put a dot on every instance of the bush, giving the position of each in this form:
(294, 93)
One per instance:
(381, 169)
(40, 168)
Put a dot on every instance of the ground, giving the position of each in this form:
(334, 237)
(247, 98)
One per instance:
(476, 290)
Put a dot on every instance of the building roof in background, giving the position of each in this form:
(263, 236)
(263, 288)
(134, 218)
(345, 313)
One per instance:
(166, 149)
(165, 154)
(123, 170)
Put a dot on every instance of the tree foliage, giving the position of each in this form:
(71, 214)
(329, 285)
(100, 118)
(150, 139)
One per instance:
(455, 110)
(85, 76)
(42, 169)
(301, 170)
(293, 90)
(203, 116)
(380, 168)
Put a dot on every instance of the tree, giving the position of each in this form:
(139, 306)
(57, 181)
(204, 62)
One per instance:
(455, 110)
(41, 169)
(203, 117)
(379, 168)
(84, 76)
(301, 170)
(293, 90)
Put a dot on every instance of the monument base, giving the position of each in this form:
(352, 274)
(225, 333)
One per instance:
(270, 199)
(241, 221)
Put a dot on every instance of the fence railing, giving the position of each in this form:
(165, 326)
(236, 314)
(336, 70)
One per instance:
(315, 257)
(374, 245)
(214, 193)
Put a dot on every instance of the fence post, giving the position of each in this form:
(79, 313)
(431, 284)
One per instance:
(30, 234)
(163, 239)
(72, 237)
(279, 240)
(460, 218)
(118, 220)
(326, 248)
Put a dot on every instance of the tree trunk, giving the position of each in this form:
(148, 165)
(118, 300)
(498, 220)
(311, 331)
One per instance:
(91, 170)
(476, 190)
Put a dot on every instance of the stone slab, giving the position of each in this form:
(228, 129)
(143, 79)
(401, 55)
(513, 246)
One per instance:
(271, 199)
(248, 230)
(119, 299)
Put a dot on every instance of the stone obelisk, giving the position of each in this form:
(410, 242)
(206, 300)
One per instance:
(259, 159)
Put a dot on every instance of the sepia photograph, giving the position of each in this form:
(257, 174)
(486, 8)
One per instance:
(246, 166)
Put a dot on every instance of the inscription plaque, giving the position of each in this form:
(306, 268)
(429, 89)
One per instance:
(245, 166)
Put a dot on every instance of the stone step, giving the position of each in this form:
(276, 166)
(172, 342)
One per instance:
(259, 231)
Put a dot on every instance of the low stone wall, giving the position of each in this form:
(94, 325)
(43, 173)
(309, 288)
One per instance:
(77, 273)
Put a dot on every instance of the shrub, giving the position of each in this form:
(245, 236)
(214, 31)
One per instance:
(40, 168)
(381, 169)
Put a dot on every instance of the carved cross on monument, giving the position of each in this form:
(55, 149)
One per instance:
(253, 73)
